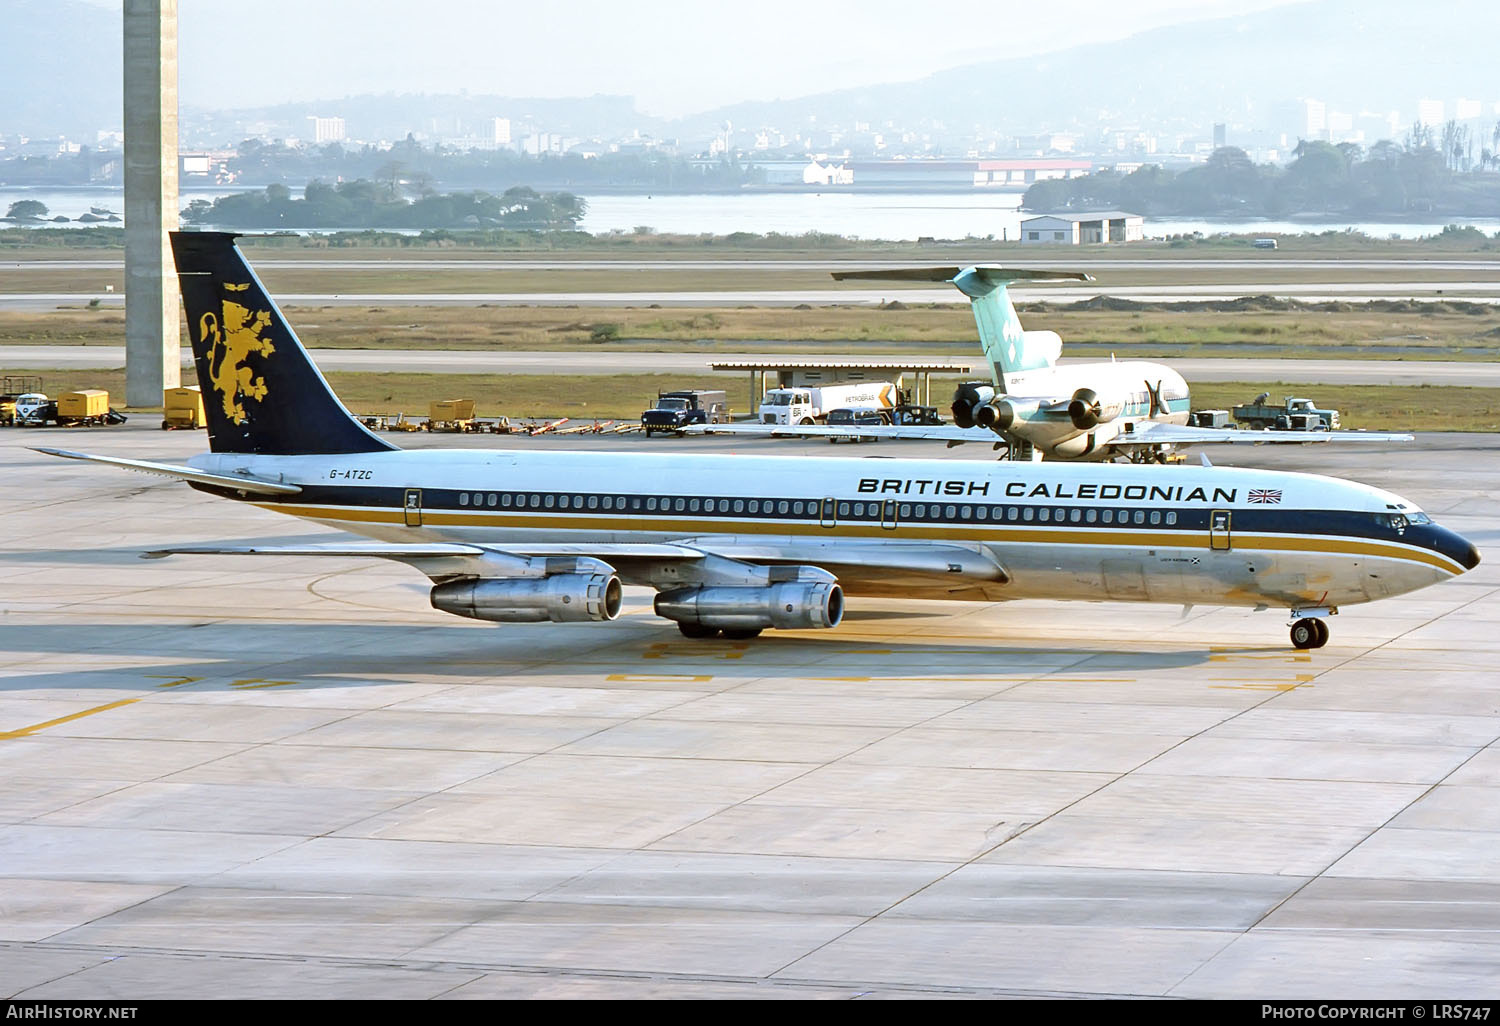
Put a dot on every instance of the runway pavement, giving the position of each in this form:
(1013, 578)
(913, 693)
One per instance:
(236, 778)
(594, 361)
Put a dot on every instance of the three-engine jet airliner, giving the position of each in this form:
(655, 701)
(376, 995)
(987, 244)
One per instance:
(736, 544)
(1136, 409)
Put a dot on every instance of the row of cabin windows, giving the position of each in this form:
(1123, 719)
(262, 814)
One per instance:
(648, 504)
(814, 508)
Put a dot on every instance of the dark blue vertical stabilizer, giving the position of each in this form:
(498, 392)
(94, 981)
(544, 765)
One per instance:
(261, 392)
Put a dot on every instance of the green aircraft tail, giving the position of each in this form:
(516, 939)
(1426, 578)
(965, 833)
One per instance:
(1008, 349)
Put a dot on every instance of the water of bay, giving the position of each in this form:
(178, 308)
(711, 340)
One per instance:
(863, 215)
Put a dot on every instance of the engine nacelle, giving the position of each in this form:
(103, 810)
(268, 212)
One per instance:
(561, 598)
(968, 399)
(997, 415)
(1087, 411)
(793, 605)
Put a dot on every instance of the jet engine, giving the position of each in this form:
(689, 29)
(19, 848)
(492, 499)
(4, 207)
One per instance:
(968, 399)
(1087, 411)
(561, 598)
(790, 606)
(997, 415)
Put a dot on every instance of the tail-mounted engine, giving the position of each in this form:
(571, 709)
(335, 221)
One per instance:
(1088, 411)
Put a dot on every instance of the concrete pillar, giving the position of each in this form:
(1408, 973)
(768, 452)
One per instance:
(153, 348)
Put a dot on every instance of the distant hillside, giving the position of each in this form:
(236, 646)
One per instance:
(62, 65)
(1358, 55)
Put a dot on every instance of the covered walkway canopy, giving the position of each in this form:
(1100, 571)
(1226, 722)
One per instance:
(800, 373)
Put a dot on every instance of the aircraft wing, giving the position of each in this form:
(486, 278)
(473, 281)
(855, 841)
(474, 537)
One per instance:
(1159, 433)
(950, 433)
(245, 483)
(951, 568)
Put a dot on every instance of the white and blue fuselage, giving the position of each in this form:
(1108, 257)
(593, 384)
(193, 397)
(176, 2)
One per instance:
(1060, 531)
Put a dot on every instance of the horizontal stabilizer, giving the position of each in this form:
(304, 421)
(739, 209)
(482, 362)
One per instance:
(253, 485)
(992, 273)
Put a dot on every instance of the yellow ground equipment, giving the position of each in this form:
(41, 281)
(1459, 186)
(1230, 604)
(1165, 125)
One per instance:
(182, 408)
(86, 406)
(451, 415)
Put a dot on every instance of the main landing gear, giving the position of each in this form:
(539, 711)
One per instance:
(1309, 632)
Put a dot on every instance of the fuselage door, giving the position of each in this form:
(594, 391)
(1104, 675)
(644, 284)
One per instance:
(1218, 530)
(829, 513)
(888, 514)
(412, 507)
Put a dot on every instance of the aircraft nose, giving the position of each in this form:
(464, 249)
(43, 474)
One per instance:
(1456, 547)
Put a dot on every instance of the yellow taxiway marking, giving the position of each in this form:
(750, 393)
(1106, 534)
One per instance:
(1268, 686)
(667, 650)
(1296, 657)
(175, 682)
(643, 678)
(24, 731)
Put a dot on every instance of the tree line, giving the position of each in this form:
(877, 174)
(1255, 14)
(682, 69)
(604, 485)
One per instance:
(1423, 175)
(257, 161)
(370, 204)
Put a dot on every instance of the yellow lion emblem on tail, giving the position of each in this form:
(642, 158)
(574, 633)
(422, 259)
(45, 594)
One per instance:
(241, 333)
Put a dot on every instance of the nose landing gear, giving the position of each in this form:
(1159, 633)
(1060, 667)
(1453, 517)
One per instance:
(1310, 631)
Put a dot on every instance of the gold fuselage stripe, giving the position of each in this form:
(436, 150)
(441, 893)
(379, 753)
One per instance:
(1014, 534)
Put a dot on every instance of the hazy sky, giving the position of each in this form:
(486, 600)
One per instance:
(674, 56)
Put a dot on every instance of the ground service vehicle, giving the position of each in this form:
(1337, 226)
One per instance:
(88, 406)
(735, 544)
(809, 404)
(676, 410)
(1294, 414)
(910, 413)
(12, 387)
(847, 416)
(182, 408)
(35, 410)
(451, 415)
(1209, 418)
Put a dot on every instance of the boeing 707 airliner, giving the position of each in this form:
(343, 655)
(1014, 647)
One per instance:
(737, 544)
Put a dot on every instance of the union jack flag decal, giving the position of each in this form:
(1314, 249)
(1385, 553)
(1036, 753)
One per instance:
(1265, 495)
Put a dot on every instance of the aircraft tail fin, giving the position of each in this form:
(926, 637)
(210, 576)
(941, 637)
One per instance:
(261, 391)
(1009, 349)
